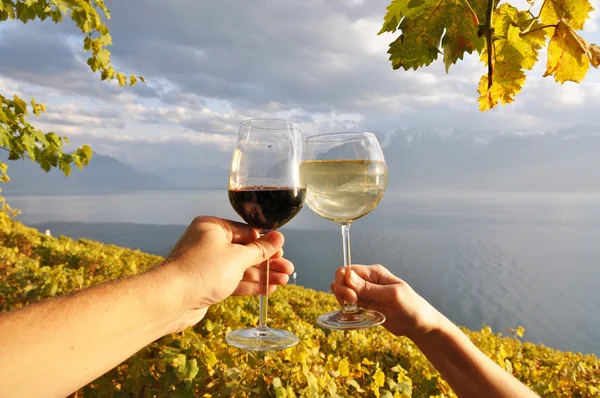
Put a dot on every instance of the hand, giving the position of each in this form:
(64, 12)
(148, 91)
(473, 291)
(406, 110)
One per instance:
(216, 258)
(375, 288)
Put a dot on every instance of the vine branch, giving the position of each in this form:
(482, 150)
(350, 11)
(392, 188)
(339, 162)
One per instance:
(536, 29)
(489, 37)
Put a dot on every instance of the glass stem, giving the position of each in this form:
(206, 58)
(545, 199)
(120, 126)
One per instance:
(264, 293)
(347, 308)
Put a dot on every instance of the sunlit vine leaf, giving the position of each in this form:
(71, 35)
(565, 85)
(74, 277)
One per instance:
(423, 24)
(569, 55)
(574, 12)
(514, 53)
(508, 40)
(198, 361)
(17, 135)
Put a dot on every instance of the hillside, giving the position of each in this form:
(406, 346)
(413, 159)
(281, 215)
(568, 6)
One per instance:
(198, 362)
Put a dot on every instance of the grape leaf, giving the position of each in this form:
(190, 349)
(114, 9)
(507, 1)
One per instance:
(379, 378)
(344, 368)
(514, 54)
(575, 12)
(427, 25)
(569, 55)
(508, 79)
(595, 55)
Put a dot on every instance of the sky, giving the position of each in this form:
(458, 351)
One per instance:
(211, 64)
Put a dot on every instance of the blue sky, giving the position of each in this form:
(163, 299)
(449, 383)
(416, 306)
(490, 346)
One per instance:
(211, 64)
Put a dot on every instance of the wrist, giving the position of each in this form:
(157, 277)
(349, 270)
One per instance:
(166, 292)
(437, 325)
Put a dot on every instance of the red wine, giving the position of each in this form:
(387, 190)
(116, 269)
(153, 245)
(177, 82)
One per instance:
(267, 208)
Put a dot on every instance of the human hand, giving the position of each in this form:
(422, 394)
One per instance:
(216, 258)
(374, 287)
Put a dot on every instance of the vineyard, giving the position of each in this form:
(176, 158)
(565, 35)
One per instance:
(199, 363)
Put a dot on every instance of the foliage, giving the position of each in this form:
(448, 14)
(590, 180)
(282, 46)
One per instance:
(198, 362)
(17, 135)
(507, 39)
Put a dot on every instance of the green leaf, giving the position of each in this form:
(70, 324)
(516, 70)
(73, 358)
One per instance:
(209, 357)
(191, 369)
(423, 23)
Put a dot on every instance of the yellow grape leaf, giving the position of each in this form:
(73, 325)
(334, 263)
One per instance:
(514, 54)
(511, 45)
(344, 368)
(568, 55)
(423, 24)
(520, 331)
(595, 55)
(355, 384)
(379, 378)
(574, 12)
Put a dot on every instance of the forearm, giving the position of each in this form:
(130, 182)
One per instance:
(55, 347)
(469, 372)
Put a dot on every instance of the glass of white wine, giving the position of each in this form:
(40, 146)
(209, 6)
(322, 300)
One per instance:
(345, 176)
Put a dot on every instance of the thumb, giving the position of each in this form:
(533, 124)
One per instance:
(262, 249)
(365, 290)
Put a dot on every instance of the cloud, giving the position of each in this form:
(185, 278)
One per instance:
(210, 65)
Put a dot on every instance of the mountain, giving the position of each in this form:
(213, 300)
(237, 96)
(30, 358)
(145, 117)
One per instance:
(103, 174)
(201, 176)
(568, 160)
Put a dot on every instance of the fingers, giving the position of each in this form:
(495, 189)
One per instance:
(364, 289)
(280, 270)
(362, 282)
(252, 274)
(344, 294)
(375, 274)
(237, 232)
(280, 265)
(370, 305)
(251, 289)
(259, 250)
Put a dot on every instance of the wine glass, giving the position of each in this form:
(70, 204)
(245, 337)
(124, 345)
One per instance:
(266, 191)
(345, 176)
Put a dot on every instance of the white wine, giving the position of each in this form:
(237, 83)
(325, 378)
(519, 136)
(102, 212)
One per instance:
(343, 190)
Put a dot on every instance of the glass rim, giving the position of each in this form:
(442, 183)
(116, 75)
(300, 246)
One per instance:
(336, 137)
(249, 123)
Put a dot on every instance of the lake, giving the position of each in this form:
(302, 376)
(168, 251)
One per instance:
(498, 259)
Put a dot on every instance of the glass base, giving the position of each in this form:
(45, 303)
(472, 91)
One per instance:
(262, 339)
(357, 320)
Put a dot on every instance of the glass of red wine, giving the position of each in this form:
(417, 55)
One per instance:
(266, 191)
